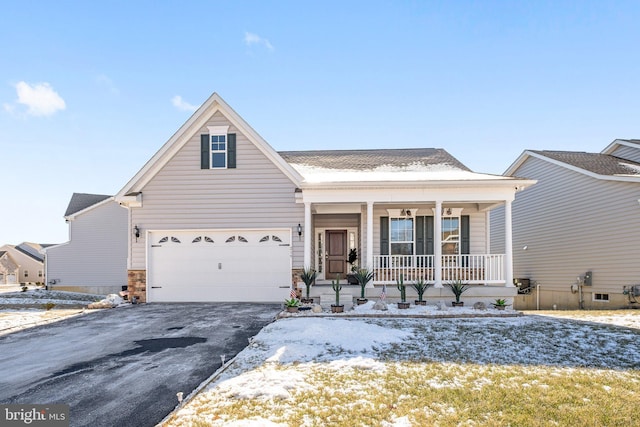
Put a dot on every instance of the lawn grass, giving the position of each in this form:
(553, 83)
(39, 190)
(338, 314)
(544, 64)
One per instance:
(443, 394)
(582, 369)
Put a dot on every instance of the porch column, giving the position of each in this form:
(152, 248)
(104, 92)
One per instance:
(307, 235)
(370, 235)
(437, 244)
(508, 245)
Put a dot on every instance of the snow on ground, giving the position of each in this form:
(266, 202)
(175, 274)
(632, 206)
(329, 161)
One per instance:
(556, 340)
(20, 310)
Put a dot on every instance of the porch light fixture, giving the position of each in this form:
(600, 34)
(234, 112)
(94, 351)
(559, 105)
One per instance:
(299, 230)
(408, 212)
(136, 232)
(448, 211)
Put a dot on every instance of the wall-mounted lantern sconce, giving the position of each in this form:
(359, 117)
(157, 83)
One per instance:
(136, 232)
(299, 230)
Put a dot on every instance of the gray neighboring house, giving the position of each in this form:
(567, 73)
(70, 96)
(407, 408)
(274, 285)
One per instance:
(576, 232)
(94, 260)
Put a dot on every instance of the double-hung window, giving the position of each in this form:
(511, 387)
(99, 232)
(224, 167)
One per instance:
(218, 151)
(401, 234)
(451, 235)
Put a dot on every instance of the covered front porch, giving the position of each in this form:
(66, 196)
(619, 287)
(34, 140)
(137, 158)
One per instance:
(438, 242)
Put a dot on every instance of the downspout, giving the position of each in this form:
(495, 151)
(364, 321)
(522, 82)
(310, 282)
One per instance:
(537, 297)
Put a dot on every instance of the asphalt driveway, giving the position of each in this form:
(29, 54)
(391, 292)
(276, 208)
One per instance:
(124, 366)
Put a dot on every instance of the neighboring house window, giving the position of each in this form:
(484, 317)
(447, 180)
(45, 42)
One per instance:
(601, 297)
(26, 273)
(39, 273)
(450, 236)
(401, 236)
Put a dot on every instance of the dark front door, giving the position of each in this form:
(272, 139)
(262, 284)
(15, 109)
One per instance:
(336, 255)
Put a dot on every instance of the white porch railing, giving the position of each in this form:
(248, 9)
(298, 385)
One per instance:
(472, 269)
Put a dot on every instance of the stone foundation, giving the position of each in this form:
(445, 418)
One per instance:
(137, 285)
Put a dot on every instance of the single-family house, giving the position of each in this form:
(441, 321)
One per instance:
(30, 258)
(9, 269)
(576, 232)
(218, 215)
(94, 260)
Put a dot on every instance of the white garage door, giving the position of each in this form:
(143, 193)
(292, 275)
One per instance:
(214, 265)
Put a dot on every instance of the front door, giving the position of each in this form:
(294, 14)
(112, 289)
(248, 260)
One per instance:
(336, 254)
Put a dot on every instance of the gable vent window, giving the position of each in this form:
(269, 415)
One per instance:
(601, 297)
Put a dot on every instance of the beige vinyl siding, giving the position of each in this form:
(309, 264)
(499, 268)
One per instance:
(96, 256)
(628, 153)
(256, 194)
(572, 223)
(26, 263)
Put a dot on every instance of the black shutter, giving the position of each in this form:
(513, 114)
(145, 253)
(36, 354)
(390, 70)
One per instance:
(429, 232)
(384, 235)
(205, 152)
(420, 244)
(465, 247)
(231, 151)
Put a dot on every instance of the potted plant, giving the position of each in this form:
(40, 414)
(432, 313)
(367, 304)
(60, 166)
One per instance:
(351, 259)
(458, 288)
(420, 286)
(292, 305)
(500, 304)
(308, 276)
(363, 276)
(403, 304)
(337, 307)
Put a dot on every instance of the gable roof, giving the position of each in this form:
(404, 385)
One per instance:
(32, 250)
(193, 125)
(82, 201)
(7, 262)
(597, 165)
(633, 143)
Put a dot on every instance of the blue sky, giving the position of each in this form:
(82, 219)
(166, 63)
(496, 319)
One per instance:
(90, 90)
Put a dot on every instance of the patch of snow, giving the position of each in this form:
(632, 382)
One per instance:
(413, 172)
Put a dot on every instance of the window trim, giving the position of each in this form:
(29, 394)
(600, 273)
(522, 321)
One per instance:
(604, 297)
(218, 131)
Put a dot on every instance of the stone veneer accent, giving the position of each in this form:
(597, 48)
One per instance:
(137, 285)
(297, 281)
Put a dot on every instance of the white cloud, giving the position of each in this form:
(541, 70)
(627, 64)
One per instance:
(181, 104)
(41, 99)
(251, 39)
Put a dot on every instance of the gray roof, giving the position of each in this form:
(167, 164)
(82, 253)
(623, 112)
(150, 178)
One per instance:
(371, 159)
(80, 201)
(31, 250)
(601, 164)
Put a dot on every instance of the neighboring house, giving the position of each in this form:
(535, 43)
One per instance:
(30, 257)
(94, 260)
(218, 215)
(9, 269)
(576, 232)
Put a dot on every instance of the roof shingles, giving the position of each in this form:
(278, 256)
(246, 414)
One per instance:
(601, 164)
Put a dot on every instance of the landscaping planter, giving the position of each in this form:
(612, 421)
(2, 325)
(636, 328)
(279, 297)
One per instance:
(457, 304)
(420, 302)
(337, 308)
(361, 301)
(403, 305)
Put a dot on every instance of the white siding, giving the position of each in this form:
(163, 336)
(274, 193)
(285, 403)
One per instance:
(572, 223)
(182, 196)
(95, 258)
(628, 153)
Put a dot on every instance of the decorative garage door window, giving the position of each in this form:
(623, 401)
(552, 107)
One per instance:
(166, 239)
(233, 239)
(199, 239)
(274, 238)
